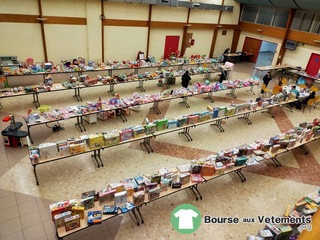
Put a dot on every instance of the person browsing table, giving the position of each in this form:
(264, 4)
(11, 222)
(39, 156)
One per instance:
(185, 79)
(267, 78)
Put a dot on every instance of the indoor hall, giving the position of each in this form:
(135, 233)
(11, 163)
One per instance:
(266, 192)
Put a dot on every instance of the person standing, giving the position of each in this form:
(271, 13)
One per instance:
(267, 78)
(185, 79)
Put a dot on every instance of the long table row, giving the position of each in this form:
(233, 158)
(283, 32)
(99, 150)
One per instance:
(155, 99)
(247, 155)
(77, 86)
(145, 135)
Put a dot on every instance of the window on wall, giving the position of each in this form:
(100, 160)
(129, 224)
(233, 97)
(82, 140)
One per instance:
(266, 16)
(280, 18)
(316, 24)
(249, 13)
(306, 21)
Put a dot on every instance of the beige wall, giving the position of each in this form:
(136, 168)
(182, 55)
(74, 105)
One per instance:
(94, 31)
(203, 16)
(64, 8)
(231, 17)
(203, 39)
(169, 14)
(29, 7)
(158, 38)
(223, 41)
(65, 42)
(300, 56)
(22, 40)
(123, 43)
(126, 11)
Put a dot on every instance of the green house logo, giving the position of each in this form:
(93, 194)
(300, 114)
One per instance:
(185, 218)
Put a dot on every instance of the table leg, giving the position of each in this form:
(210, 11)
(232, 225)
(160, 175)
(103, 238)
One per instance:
(146, 144)
(269, 111)
(156, 107)
(141, 85)
(121, 115)
(35, 174)
(251, 90)
(77, 94)
(36, 99)
(240, 174)
(185, 101)
(29, 133)
(196, 192)
(218, 125)
(79, 123)
(210, 96)
(95, 159)
(246, 118)
(186, 133)
(232, 93)
(111, 89)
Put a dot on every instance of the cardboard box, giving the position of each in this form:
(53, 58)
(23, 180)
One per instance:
(230, 111)
(126, 134)
(59, 218)
(48, 150)
(172, 123)
(120, 198)
(154, 193)
(57, 208)
(118, 187)
(184, 178)
(111, 138)
(130, 185)
(87, 203)
(196, 178)
(77, 148)
(94, 217)
(204, 116)
(156, 178)
(64, 150)
(182, 121)
(162, 124)
(78, 210)
(138, 131)
(219, 170)
(72, 222)
(207, 170)
(192, 119)
(222, 111)
(151, 128)
(106, 196)
(95, 141)
(138, 198)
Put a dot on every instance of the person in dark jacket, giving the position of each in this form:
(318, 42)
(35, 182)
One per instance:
(223, 75)
(267, 78)
(185, 79)
(312, 95)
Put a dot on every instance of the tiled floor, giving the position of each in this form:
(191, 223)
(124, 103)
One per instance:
(24, 205)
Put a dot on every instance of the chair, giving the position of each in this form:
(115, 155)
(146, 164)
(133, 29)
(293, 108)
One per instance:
(310, 104)
(284, 81)
(317, 102)
(302, 86)
(314, 89)
(265, 90)
(276, 89)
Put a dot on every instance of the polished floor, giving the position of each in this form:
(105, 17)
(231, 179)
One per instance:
(268, 190)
